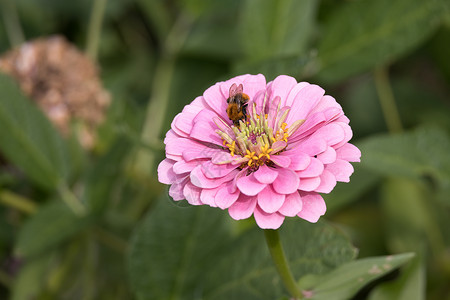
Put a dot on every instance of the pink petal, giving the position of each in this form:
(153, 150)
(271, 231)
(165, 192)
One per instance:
(333, 114)
(269, 200)
(170, 136)
(349, 152)
(293, 93)
(166, 174)
(179, 145)
(348, 134)
(312, 146)
(313, 207)
(199, 179)
(309, 184)
(192, 194)
(299, 160)
(305, 100)
(268, 221)
(222, 157)
(286, 182)
(200, 152)
(207, 196)
(265, 174)
(327, 182)
(225, 197)
(332, 133)
(249, 185)
(254, 84)
(243, 208)
(216, 100)
(176, 189)
(328, 156)
(182, 126)
(183, 122)
(182, 166)
(281, 160)
(204, 128)
(325, 103)
(225, 86)
(215, 171)
(281, 87)
(292, 205)
(314, 169)
(341, 169)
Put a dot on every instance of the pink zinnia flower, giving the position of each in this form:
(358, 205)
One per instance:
(291, 145)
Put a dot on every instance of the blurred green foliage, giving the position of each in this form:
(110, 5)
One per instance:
(79, 224)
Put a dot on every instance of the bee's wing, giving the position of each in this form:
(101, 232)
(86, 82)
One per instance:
(240, 89)
(233, 90)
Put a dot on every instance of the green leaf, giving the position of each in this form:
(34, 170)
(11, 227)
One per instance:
(414, 154)
(158, 15)
(410, 217)
(365, 33)
(189, 253)
(172, 250)
(276, 27)
(343, 194)
(30, 141)
(247, 272)
(410, 285)
(215, 34)
(102, 176)
(48, 228)
(32, 279)
(296, 66)
(345, 281)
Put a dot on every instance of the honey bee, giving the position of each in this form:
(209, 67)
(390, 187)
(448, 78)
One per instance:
(237, 104)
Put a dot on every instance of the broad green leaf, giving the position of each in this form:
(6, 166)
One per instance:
(53, 224)
(296, 66)
(365, 33)
(215, 34)
(414, 154)
(31, 280)
(29, 140)
(102, 176)
(276, 27)
(174, 250)
(343, 194)
(345, 281)
(158, 15)
(410, 285)
(247, 272)
(410, 219)
(188, 253)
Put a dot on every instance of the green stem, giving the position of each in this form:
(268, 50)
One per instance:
(12, 23)
(17, 202)
(111, 240)
(5, 279)
(279, 258)
(387, 100)
(159, 99)
(71, 200)
(95, 27)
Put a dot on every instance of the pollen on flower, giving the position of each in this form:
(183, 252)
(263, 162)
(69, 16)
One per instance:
(252, 141)
(231, 147)
(266, 163)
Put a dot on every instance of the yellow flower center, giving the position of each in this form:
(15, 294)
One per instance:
(254, 140)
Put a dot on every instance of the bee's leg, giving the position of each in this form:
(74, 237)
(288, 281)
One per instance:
(244, 111)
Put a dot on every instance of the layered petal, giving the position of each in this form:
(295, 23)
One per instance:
(269, 200)
(291, 145)
(266, 220)
(313, 207)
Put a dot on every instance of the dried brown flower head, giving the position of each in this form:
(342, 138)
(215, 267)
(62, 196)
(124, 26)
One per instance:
(64, 83)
